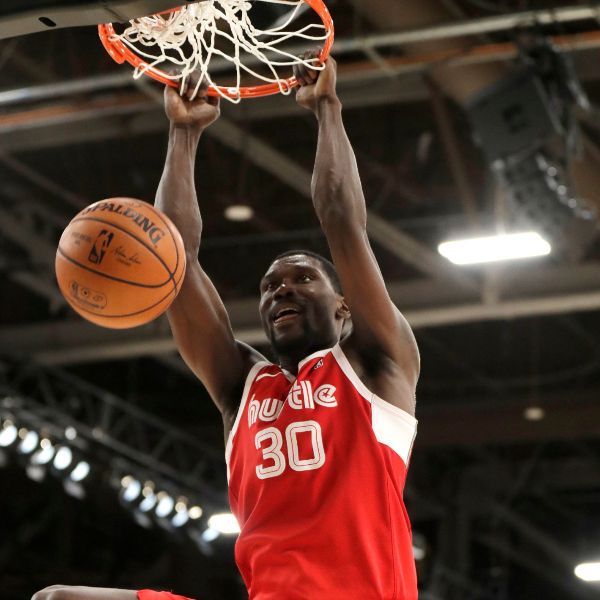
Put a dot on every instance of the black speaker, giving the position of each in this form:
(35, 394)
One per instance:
(512, 116)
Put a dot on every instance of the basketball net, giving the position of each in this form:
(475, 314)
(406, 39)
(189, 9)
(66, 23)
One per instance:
(185, 41)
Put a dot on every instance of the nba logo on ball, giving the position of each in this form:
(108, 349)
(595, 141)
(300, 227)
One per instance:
(100, 246)
(120, 263)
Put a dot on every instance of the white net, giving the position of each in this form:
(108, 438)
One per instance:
(220, 33)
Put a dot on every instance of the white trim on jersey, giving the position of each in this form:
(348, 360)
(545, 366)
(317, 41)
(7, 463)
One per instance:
(392, 426)
(249, 381)
(319, 353)
(263, 375)
(350, 373)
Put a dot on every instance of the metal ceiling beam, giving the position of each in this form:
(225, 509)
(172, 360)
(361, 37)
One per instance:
(533, 564)
(553, 290)
(445, 31)
(40, 251)
(423, 34)
(69, 14)
(416, 254)
(569, 415)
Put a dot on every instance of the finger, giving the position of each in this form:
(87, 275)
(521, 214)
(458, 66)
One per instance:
(305, 75)
(170, 92)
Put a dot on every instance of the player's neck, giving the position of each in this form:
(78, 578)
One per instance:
(290, 360)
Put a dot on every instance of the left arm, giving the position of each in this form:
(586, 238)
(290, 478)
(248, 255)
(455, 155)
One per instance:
(378, 326)
(69, 592)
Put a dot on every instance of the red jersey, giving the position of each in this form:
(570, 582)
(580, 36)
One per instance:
(316, 466)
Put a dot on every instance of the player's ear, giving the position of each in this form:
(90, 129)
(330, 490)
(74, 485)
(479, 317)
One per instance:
(342, 312)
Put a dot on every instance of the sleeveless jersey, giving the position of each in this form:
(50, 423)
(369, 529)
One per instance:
(316, 467)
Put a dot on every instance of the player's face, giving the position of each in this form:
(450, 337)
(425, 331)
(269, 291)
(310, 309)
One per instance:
(299, 307)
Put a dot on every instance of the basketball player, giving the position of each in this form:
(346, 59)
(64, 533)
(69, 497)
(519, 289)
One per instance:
(318, 443)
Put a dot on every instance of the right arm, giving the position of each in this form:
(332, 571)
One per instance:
(198, 318)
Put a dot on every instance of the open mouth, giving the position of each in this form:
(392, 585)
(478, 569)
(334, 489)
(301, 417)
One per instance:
(285, 314)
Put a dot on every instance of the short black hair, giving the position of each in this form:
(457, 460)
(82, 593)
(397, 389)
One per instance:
(327, 265)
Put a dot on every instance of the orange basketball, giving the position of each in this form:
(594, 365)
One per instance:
(120, 263)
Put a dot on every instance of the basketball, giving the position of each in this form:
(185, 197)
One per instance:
(120, 263)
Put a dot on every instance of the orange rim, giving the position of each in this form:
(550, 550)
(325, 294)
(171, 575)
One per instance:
(121, 53)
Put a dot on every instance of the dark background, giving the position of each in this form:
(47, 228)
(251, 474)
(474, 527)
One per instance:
(504, 507)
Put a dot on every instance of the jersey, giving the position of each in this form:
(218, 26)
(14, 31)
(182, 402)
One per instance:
(316, 467)
(152, 595)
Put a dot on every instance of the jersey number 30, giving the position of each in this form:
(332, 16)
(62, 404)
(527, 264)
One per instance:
(270, 442)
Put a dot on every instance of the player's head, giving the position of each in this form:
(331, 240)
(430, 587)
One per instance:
(301, 303)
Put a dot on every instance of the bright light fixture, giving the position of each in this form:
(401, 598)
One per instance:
(80, 472)
(63, 458)
(165, 505)
(495, 248)
(534, 413)
(588, 571)
(224, 523)
(30, 441)
(148, 503)
(181, 518)
(239, 212)
(44, 455)
(8, 434)
(132, 488)
(195, 512)
(35, 472)
(210, 534)
(70, 433)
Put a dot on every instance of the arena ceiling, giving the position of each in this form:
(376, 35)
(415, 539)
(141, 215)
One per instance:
(506, 506)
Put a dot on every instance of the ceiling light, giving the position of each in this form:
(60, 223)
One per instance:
(80, 472)
(142, 519)
(131, 488)
(195, 512)
(63, 458)
(165, 505)
(588, 571)
(45, 454)
(210, 534)
(148, 503)
(29, 441)
(182, 515)
(534, 413)
(9, 434)
(239, 212)
(74, 488)
(35, 472)
(70, 433)
(495, 248)
(419, 546)
(224, 523)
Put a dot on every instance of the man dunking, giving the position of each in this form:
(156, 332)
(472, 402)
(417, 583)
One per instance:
(318, 447)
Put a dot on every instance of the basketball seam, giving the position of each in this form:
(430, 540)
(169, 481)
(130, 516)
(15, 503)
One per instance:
(135, 237)
(112, 277)
(138, 311)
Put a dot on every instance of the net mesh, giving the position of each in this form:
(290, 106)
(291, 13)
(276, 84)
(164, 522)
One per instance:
(187, 40)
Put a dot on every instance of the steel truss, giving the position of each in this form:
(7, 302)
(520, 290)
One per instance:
(121, 436)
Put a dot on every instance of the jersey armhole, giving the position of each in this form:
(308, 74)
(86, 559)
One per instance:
(249, 381)
(392, 426)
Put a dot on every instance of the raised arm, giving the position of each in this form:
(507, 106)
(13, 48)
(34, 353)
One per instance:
(198, 318)
(380, 333)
